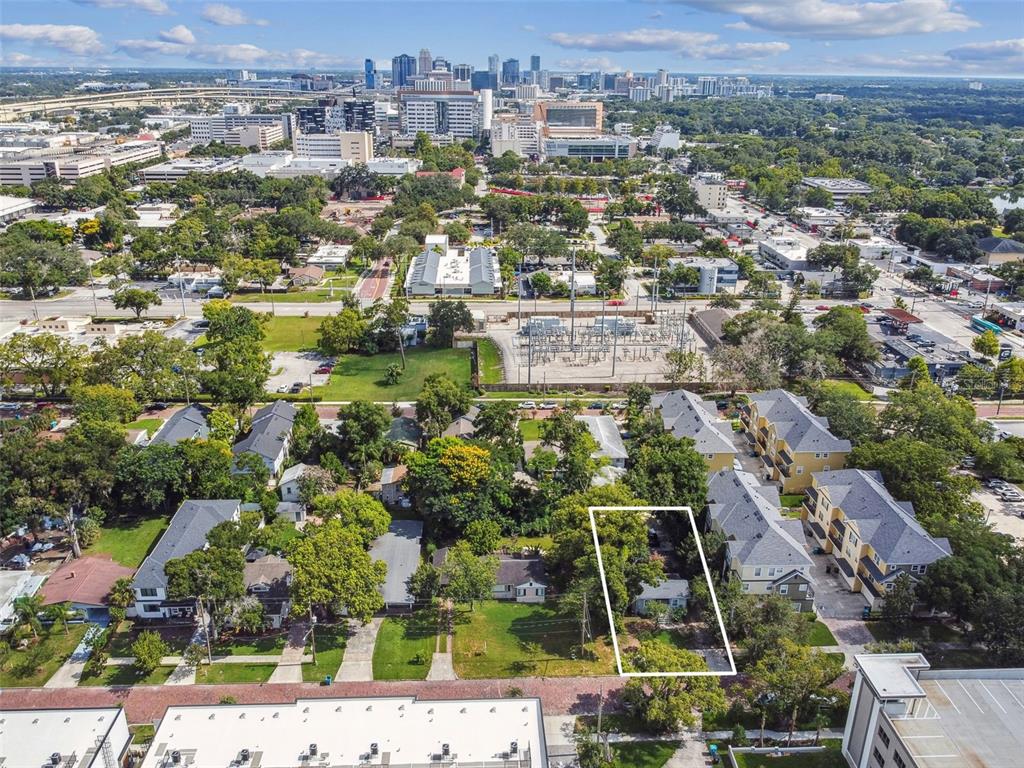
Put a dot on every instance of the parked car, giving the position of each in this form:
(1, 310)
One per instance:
(822, 308)
(297, 387)
(548, 405)
(158, 406)
(619, 406)
(282, 389)
(596, 406)
(324, 369)
(527, 405)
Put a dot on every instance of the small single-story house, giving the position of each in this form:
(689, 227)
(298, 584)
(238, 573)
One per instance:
(405, 430)
(399, 549)
(268, 579)
(308, 275)
(389, 488)
(464, 426)
(85, 583)
(672, 592)
(291, 510)
(606, 434)
(186, 424)
(291, 479)
(521, 579)
(270, 436)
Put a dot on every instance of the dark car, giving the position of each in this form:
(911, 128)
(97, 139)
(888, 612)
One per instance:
(297, 387)
(159, 406)
(325, 369)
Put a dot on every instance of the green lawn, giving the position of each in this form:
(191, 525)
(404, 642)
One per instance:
(530, 428)
(291, 334)
(270, 645)
(330, 648)
(644, 754)
(791, 499)
(541, 542)
(142, 733)
(362, 378)
(36, 664)
(922, 631)
(820, 634)
(126, 674)
(217, 674)
(831, 757)
(150, 425)
(491, 369)
(128, 541)
(505, 639)
(405, 646)
(120, 643)
(849, 387)
(313, 296)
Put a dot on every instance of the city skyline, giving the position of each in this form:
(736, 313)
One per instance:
(896, 37)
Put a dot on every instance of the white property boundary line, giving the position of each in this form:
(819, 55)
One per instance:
(707, 575)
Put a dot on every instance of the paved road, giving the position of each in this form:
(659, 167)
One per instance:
(374, 284)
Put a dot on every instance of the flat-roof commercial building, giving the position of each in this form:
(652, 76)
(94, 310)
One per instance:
(711, 191)
(259, 136)
(368, 732)
(904, 714)
(74, 167)
(176, 170)
(14, 208)
(785, 253)
(356, 146)
(95, 737)
(440, 113)
(443, 271)
(215, 127)
(570, 118)
(841, 189)
(591, 147)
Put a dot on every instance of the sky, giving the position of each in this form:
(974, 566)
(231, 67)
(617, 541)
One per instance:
(869, 37)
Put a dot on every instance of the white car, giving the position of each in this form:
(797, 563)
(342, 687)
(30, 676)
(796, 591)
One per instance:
(548, 405)
(527, 405)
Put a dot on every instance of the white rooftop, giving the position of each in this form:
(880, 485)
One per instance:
(29, 736)
(406, 732)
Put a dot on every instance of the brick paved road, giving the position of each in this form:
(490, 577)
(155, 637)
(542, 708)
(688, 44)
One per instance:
(375, 284)
(146, 703)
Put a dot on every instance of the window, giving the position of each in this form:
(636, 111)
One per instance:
(147, 592)
(878, 757)
(784, 589)
(802, 588)
(826, 468)
(824, 455)
(757, 571)
(898, 759)
(883, 735)
(151, 608)
(799, 470)
(746, 587)
(709, 456)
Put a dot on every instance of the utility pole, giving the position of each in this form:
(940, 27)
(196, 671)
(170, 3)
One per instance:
(572, 305)
(615, 340)
(529, 356)
(206, 630)
(312, 633)
(519, 282)
(583, 624)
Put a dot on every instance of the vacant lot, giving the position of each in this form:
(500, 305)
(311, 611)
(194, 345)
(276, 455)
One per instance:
(405, 647)
(217, 674)
(830, 757)
(267, 645)
(499, 639)
(492, 370)
(291, 334)
(127, 674)
(362, 378)
(177, 637)
(36, 664)
(128, 541)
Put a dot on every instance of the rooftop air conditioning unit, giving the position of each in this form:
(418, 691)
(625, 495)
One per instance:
(312, 750)
(446, 750)
(55, 758)
(176, 757)
(244, 755)
(374, 749)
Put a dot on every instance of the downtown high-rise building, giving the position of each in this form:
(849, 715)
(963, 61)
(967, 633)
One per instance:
(535, 63)
(510, 72)
(440, 62)
(425, 62)
(403, 67)
(462, 71)
(492, 63)
(370, 74)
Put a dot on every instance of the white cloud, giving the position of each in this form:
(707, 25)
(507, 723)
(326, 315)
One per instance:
(529, 28)
(228, 16)
(589, 63)
(744, 50)
(831, 20)
(237, 54)
(179, 34)
(79, 40)
(156, 7)
(16, 59)
(742, 26)
(656, 15)
(634, 40)
(996, 57)
(1007, 52)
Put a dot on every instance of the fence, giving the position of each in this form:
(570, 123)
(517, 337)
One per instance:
(773, 751)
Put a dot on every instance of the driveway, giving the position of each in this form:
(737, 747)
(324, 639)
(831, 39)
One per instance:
(832, 597)
(357, 665)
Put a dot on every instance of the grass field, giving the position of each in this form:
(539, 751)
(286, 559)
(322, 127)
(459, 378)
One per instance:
(219, 674)
(502, 639)
(150, 425)
(291, 334)
(849, 387)
(491, 369)
(831, 757)
(530, 428)
(126, 674)
(270, 645)
(405, 647)
(791, 499)
(36, 664)
(330, 648)
(542, 542)
(120, 643)
(933, 631)
(820, 634)
(128, 541)
(314, 296)
(644, 754)
(362, 378)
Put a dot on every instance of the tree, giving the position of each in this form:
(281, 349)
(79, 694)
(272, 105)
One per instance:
(151, 365)
(361, 431)
(446, 318)
(483, 536)
(342, 332)
(104, 402)
(137, 300)
(668, 471)
(425, 583)
(149, 650)
(677, 197)
(849, 418)
(359, 512)
(60, 613)
(576, 465)
(458, 234)
(724, 301)
(843, 332)
(666, 704)
(468, 577)
(681, 365)
(987, 344)
(240, 369)
(392, 374)
(496, 422)
(331, 569)
(150, 479)
(441, 401)
(926, 413)
(34, 266)
(213, 576)
(46, 361)
(900, 600)
(26, 611)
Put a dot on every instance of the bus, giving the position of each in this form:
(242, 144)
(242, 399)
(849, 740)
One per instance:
(980, 324)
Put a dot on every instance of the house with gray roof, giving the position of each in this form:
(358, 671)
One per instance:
(606, 434)
(522, 579)
(399, 550)
(764, 550)
(872, 537)
(672, 592)
(792, 442)
(186, 424)
(465, 425)
(270, 436)
(686, 414)
(185, 534)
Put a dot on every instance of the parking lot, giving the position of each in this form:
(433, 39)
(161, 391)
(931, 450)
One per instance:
(1003, 516)
(289, 368)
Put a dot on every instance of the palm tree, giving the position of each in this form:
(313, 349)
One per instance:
(26, 609)
(59, 612)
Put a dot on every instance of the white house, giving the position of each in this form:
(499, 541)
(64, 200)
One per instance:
(521, 579)
(291, 478)
(672, 592)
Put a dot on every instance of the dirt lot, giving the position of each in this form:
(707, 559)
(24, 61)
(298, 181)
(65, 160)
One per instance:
(354, 214)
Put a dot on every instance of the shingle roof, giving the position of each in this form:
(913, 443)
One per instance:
(889, 526)
(185, 534)
(519, 570)
(86, 581)
(1000, 245)
(685, 414)
(271, 425)
(802, 430)
(748, 515)
(185, 424)
(605, 432)
(464, 426)
(294, 472)
(271, 572)
(666, 590)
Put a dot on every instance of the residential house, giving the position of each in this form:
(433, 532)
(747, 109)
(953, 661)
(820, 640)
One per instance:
(686, 414)
(674, 593)
(268, 579)
(389, 488)
(521, 579)
(85, 583)
(291, 480)
(307, 275)
(1000, 250)
(186, 424)
(763, 550)
(872, 537)
(292, 511)
(464, 426)
(399, 549)
(270, 435)
(605, 432)
(185, 534)
(792, 442)
(406, 431)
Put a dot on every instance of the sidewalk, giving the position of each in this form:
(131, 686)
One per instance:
(289, 668)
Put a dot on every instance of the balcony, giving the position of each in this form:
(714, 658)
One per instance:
(818, 531)
(840, 527)
(785, 458)
(836, 540)
(872, 570)
(845, 567)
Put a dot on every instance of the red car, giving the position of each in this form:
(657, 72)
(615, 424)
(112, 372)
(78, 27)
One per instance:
(822, 308)
(616, 303)
(324, 369)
